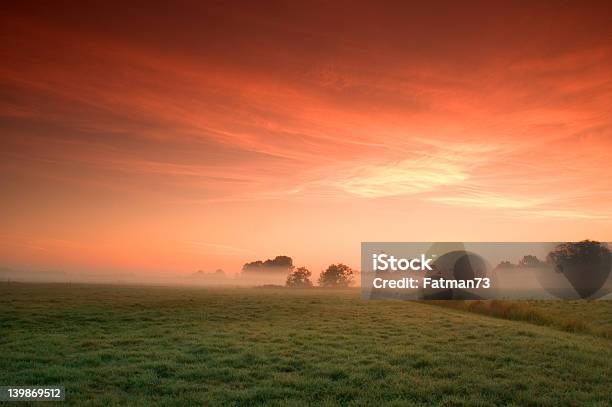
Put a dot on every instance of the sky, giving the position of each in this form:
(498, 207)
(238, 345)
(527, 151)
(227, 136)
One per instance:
(157, 140)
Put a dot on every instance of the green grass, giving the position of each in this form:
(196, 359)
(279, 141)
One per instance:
(589, 317)
(112, 345)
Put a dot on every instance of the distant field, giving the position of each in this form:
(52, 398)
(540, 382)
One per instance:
(115, 345)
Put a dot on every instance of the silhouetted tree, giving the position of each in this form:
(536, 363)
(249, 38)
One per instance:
(254, 265)
(337, 275)
(299, 278)
(529, 261)
(586, 265)
(587, 252)
(279, 263)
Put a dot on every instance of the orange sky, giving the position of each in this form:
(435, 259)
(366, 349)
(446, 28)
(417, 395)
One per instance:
(154, 140)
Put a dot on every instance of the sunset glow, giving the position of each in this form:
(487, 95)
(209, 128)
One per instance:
(154, 142)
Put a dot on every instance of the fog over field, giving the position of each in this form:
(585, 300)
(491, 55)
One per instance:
(198, 278)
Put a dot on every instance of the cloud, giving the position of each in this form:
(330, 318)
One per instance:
(403, 178)
(567, 214)
(488, 200)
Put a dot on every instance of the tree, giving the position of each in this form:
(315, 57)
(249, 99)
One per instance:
(586, 265)
(253, 266)
(584, 253)
(299, 278)
(529, 261)
(272, 271)
(279, 263)
(336, 275)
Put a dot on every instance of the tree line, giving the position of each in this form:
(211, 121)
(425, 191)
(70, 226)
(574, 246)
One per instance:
(335, 275)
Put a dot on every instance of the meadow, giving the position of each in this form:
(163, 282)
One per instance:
(177, 346)
(591, 317)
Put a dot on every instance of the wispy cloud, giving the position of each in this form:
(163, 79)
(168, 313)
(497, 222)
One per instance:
(403, 178)
(488, 200)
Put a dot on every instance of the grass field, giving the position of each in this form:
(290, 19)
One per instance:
(589, 317)
(115, 345)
